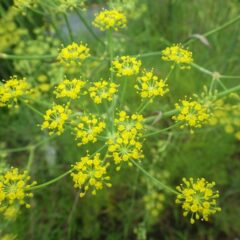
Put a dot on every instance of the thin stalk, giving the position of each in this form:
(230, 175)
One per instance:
(215, 30)
(161, 130)
(30, 159)
(230, 90)
(26, 57)
(110, 50)
(156, 181)
(34, 109)
(145, 105)
(68, 27)
(89, 28)
(51, 181)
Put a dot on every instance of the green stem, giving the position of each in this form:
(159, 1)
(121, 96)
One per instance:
(145, 105)
(34, 109)
(30, 159)
(156, 181)
(230, 90)
(26, 57)
(110, 49)
(68, 27)
(215, 30)
(89, 28)
(51, 181)
(161, 130)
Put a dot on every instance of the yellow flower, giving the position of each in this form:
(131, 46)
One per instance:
(192, 114)
(74, 54)
(69, 88)
(10, 213)
(178, 54)
(55, 118)
(102, 90)
(110, 20)
(124, 144)
(11, 90)
(87, 128)
(14, 189)
(197, 199)
(90, 174)
(149, 85)
(65, 5)
(126, 66)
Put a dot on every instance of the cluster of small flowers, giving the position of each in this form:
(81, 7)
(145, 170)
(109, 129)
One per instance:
(153, 202)
(124, 144)
(191, 114)
(126, 66)
(55, 118)
(68, 5)
(110, 20)
(102, 90)
(90, 174)
(150, 86)
(227, 115)
(14, 191)
(197, 199)
(74, 54)
(179, 55)
(11, 90)
(87, 128)
(69, 88)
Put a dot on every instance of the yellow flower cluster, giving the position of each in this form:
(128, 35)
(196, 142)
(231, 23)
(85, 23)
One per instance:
(74, 54)
(197, 199)
(124, 144)
(10, 33)
(69, 5)
(9, 213)
(90, 174)
(22, 4)
(87, 128)
(178, 54)
(110, 20)
(14, 190)
(55, 118)
(102, 90)
(11, 90)
(126, 66)
(192, 114)
(69, 88)
(149, 85)
(154, 203)
(227, 115)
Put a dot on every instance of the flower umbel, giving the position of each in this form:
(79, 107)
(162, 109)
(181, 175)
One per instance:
(102, 90)
(191, 114)
(55, 118)
(149, 85)
(126, 66)
(90, 174)
(178, 54)
(14, 189)
(12, 90)
(110, 20)
(87, 128)
(197, 199)
(74, 54)
(69, 88)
